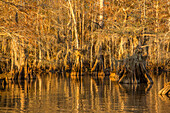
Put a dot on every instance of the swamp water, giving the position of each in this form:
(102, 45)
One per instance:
(58, 94)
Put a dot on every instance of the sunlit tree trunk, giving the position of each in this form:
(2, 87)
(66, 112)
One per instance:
(74, 22)
(12, 60)
(83, 20)
(91, 48)
(101, 23)
(101, 13)
(157, 30)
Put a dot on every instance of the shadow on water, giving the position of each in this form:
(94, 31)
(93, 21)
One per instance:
(56, 93)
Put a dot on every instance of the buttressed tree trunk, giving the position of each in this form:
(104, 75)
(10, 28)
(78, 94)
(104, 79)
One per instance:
(134, 70)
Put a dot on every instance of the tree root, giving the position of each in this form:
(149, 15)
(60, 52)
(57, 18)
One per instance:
(165, 90)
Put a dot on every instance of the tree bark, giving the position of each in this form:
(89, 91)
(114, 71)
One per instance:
(101, 13)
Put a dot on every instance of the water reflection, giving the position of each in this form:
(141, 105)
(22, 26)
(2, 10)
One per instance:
(54, 93)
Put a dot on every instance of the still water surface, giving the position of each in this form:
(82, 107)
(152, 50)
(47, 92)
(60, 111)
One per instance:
(58, 94)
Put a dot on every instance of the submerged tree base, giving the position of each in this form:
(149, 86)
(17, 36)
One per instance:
(134, 69)
(131, 70)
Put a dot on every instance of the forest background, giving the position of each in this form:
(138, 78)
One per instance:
(72, 35)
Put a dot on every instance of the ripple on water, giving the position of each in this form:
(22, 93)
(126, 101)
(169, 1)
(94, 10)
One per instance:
(86, 94)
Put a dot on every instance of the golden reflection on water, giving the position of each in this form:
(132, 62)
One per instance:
(54, 93)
